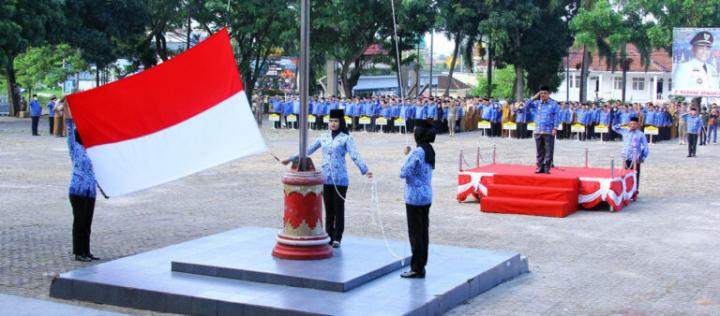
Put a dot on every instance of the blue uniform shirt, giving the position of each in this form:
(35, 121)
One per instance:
(694, 123)
(650, 118)
(51, 106)
(460, 112)
(277, 106)
(604, 118)
(82, 182)
(418, 178)
(419, 112)
(35, 108)
(431, 111)
(547, 115)
(634, 143)
(287, 108)
(333, 167)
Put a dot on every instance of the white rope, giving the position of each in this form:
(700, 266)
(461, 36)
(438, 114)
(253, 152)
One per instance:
(398, 61)
(374, 206)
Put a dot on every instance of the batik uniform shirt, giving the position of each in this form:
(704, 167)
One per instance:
(333, 167)
(547, 117)
(418, 178)
(694, 123)
(634, 143)
(82, 182)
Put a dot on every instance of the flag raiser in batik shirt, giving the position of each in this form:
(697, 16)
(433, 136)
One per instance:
(546, 117)
(333, 167)
(418, 178)
(82, 182)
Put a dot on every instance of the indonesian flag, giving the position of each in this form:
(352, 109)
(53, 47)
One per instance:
(180, 117)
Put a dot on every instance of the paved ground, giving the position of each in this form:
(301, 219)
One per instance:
(658, 256)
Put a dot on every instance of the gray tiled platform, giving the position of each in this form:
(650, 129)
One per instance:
(23, 306)
(146, 281)
(360, 260)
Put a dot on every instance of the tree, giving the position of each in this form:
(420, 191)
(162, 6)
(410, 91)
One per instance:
(546, 43)
(502, 84)
(47, 66)
(461, 23)
(25, 23)
(609, 31)
(674, 13)
(105, 30)
(531, 35)
(256, 27)
(511, 20)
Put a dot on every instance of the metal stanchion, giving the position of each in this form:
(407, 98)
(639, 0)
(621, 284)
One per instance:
(460, 166)
(477, 158)
(586, 157)
(494, 152)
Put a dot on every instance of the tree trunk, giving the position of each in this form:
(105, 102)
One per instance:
(97, 76)
(491, 51)
(452, 64)
(417, 72)
(347, 89)
(519, 85)
(13, 96)
(624, 78)
(189, 25)
(584, 74)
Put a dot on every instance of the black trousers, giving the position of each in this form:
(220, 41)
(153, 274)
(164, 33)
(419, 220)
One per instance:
(545, 147)
(51, 120)
(35, 121)
(521, 131)
(629, 165)
(410, 125)
(692, 144)
(334, 211)
(83, 209)
(496, 129)
(418, 218)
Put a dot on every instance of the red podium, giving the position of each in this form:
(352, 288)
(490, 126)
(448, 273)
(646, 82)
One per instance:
(303, 236)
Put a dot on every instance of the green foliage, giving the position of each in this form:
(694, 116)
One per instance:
(503, 80)
(48, 66)
(256, 27)
(26, 23)
(675, 13)
(104, 30)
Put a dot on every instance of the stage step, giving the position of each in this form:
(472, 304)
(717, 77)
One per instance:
(545, 193)
(507, 205)
(537, 180)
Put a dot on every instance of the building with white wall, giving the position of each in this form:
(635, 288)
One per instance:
(653, 84)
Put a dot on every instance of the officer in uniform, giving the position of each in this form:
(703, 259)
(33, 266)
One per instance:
(547, 121)
(635, 147)
(697, 74)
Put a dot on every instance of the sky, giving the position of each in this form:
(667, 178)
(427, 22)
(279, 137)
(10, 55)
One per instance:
(441, 44)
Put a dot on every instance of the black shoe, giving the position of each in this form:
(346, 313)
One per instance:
(547, 171)
(412, 275)
(539, 170)
(336, 244)
(91, 257)
(82, 258)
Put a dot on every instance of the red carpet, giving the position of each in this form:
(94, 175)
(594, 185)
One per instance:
(516, 189)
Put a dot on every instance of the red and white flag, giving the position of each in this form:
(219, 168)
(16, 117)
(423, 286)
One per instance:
(180, 117)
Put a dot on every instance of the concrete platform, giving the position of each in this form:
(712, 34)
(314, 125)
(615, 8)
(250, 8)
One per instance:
(360, 260)
(363, 267)
(23, 306)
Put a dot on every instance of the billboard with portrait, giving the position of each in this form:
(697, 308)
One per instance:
(279, 75)
(696, 58)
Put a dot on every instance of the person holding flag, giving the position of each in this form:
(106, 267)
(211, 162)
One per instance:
(334, 146)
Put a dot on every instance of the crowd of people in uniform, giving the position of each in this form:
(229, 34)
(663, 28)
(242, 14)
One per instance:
(582, 121)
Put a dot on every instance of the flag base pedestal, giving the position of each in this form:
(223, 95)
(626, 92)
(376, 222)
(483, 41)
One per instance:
(303, 236)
